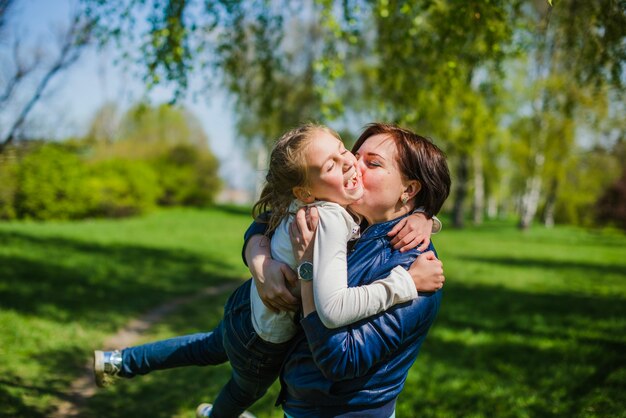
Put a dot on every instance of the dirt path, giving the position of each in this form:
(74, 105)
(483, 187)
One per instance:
(84, 387)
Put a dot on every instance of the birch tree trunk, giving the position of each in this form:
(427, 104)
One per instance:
(548, 216)
(261, 171)
(458, 210)
(532, 193)
(479, 189)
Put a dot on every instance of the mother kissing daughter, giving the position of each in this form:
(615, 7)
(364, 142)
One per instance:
(309, 166)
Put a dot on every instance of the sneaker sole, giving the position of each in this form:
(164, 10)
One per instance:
(203, 410)
(98, 368)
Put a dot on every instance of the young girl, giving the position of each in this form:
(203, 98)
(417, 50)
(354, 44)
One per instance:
(311, 165)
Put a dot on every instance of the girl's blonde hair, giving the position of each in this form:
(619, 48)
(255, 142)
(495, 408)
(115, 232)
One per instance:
(287, 169)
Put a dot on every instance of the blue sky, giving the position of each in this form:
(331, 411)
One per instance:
(74, 95)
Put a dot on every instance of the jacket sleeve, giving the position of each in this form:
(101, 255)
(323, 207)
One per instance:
(336, 303)
(352, 351)
(257, 227)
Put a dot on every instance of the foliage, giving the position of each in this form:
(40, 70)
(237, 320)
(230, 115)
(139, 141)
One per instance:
(8, 183)
(187, 177)
(167, 137)
(121, 187)
(152, 155)
(524, 328)
(611, 207)
(25, 80)
(587, 178)
(51, 184)
(466, 73)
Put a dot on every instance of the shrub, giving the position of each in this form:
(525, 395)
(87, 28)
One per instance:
(122, 188)
(187, 176)
(8, 183)
(611, 207)
(51, 184)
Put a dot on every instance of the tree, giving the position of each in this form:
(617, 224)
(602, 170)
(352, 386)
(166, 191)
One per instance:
(71, 42)
(169, 138)
(593, 33)
(441, 68)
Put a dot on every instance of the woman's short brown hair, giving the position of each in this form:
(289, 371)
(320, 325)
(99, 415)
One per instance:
(418, 159)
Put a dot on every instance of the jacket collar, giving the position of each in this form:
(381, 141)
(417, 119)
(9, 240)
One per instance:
(381, 229)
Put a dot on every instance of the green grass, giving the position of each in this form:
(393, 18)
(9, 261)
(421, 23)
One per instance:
(531, 325)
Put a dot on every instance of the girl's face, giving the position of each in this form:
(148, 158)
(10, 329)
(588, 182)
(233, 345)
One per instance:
(383, 183)
(331, 170)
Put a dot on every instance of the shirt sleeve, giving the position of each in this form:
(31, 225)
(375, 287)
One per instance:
(336, 303)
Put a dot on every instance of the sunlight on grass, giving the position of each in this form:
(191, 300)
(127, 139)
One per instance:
(531, 324)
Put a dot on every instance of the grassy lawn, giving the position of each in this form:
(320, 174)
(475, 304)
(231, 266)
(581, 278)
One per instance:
(532, 324)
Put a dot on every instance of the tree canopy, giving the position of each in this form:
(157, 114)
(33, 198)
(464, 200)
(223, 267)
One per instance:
(514, 91)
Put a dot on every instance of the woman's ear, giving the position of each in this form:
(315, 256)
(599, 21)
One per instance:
(303, 194)
(412, 188)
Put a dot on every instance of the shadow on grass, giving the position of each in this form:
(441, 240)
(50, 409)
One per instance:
(64, 279)
(493, 351)
(499, 352)
(167, 393)
(235, 209)
(93, 287)
(593, 270)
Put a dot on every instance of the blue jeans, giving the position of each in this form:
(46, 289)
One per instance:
(255, 362)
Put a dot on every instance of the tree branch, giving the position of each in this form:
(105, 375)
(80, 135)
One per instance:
(73, 43)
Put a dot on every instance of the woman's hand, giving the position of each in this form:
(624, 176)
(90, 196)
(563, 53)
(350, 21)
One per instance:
(302, 232)
(427, 272)
(411, 232)
(273, 279)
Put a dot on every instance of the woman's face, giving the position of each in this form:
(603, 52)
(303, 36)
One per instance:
(383, 183)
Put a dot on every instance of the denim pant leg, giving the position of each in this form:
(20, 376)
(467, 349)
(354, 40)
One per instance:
(255, 363)
(200, 349)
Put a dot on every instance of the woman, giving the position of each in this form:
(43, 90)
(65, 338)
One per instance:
(360, 370)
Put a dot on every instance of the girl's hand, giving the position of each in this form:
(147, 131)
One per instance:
(427, 272)
(412, 232)
(273, 279)
(302, 232)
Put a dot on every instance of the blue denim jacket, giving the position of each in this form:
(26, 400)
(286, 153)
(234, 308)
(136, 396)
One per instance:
(360, 369)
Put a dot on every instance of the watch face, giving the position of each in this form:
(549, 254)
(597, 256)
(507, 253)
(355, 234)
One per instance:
(305, 271)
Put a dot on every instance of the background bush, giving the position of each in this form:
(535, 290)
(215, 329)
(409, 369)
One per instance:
(78, 179)
(122, 188)
(187, 176)
(51, 184)
(8, 183)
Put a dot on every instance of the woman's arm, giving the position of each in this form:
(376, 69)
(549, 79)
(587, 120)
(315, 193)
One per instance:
(414, 231)
(336, 303)
(350, 352)
(272, 278)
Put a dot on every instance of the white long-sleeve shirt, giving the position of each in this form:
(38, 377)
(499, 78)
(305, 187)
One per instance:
(336, 303)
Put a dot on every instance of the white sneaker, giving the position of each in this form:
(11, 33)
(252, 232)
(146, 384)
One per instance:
(106, 366)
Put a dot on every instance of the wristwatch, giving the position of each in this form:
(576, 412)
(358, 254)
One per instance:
(305, 271)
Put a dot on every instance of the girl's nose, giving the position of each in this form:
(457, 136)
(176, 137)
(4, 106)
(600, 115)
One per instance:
(360, 165)
(349, 161)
